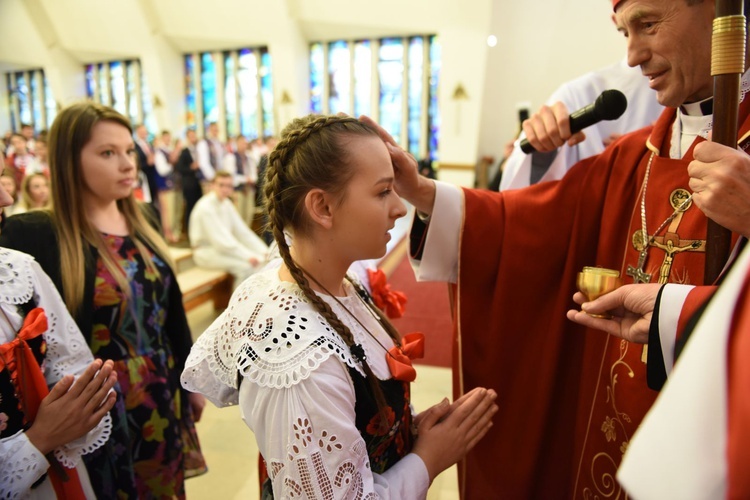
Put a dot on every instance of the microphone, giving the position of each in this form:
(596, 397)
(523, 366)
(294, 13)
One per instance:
(610, 105)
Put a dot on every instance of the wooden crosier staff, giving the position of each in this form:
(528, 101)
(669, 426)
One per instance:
(727, 67)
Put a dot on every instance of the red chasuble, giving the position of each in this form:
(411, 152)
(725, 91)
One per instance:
(570, 399)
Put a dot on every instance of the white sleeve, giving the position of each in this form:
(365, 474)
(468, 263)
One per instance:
(517, 168)
(21, 465)
(229, 164)
(204, 160)
(219, 233)
(163, 167)
(672, 299)
(253, 175)
(439, 260)
(307, 436)
(247, 236)
(67, 353)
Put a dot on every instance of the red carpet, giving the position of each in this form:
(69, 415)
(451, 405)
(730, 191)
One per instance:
(427, 311)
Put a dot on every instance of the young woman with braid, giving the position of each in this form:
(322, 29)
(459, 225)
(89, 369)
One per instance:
(320, 374)
(112, 269)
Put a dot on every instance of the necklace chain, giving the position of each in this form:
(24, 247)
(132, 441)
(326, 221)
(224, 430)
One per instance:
(367, 306)
(680, 208)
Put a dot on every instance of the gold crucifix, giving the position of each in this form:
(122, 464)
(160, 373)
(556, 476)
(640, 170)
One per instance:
(670, 249)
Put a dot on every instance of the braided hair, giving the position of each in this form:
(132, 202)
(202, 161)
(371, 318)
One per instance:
(311, 154)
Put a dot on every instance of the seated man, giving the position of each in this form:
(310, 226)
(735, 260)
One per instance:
(220, 238)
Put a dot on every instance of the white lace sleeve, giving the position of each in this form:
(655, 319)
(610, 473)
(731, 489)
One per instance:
(306, 434)
(21, 465)
(67, 351)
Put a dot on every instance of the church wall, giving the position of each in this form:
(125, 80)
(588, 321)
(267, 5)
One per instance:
(538, 49)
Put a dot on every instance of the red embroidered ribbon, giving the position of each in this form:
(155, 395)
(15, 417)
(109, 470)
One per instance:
(31, 386)
(392, 303)
(399, 358)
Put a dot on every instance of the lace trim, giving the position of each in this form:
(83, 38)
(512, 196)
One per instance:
(744, 89)
(271, 335)
(70, 454)
(23, 464)
(16, 281)
(67, 351)
(318, 466)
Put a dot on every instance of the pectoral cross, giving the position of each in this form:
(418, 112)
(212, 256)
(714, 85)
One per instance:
(640, 276)
(637, 273)
(670, 250)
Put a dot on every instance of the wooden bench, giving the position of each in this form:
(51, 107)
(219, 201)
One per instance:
(182, 257)
(199, 285)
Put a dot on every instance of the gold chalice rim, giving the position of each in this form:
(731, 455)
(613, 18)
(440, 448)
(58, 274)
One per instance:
(601, 271)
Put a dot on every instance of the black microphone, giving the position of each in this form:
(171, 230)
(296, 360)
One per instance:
(610, 105)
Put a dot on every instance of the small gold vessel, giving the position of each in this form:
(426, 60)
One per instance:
(594, 282)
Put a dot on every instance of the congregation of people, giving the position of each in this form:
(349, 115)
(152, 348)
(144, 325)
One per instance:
(639, 393)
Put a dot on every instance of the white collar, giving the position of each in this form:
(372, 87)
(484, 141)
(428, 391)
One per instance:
(272, 335)
(16, 277)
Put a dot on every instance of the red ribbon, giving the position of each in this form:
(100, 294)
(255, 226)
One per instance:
(399, 358)
(31, 386)
(392, 303)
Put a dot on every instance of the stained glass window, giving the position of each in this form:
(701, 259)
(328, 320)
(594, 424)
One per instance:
(393, 79)
(244, 76)
(49, 103)
(391, 74)
(230, 95)
(35, 98)
(11, 92)
(123, 86)
(247, 77)
(339, 77)
(104, 96)
(148, 108)
(208, 88)
(362, 78)
(434, 110)
(190, 104)
(134, 104)
(117, 79)
(266, 92)
(22, 93)
(30, 100)
(90, 81)
(415, 94)
(317, 72)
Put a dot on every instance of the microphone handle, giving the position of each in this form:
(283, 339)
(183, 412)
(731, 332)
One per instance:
(579, 120)
(583, 118)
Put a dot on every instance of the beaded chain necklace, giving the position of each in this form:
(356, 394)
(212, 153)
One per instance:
(644, 241)
(356, 349)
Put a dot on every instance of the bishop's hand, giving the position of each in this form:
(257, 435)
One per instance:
(720, 181)
(631, 308)
(413, 187)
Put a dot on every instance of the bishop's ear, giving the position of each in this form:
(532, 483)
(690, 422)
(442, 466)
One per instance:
(319, 206)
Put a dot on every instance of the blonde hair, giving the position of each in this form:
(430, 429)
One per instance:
(26, 199)
(311, 154)
(70, 132)
(8, 174)
(222, 174)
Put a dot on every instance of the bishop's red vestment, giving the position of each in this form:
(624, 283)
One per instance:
(570, 398)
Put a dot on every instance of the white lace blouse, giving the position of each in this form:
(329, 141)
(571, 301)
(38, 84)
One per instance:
(296, 393)
(21, 464)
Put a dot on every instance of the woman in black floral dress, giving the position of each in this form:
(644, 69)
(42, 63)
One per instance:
(113, 270)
